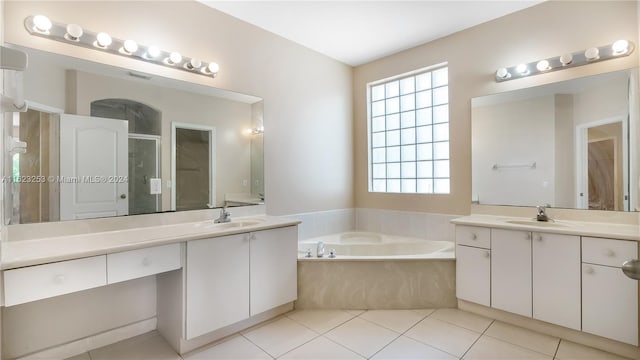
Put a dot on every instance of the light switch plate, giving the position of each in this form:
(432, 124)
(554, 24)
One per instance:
(155, 185)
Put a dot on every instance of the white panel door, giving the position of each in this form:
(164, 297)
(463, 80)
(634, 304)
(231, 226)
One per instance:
(556, 279)
(274, 268)
(217, 283)
(511, 271)
(473, 282)
(93, 167)
(609, 303)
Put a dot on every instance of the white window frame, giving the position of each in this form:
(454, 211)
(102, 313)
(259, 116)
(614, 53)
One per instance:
(436, 182)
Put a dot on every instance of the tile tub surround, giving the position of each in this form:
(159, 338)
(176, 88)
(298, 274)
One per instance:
(379, 284)
(421, 225)
(321, 223)
(444, 334)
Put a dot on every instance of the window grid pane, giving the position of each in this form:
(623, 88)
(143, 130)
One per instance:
(409, 134)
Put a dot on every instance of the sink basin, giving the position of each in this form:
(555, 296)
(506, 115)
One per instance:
(533, 222)
(237, 224)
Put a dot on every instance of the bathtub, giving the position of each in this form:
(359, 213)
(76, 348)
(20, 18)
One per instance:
(376, 271)
(375, 246)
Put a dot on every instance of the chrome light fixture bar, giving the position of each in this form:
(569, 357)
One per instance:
(74, 34)
(618, 49)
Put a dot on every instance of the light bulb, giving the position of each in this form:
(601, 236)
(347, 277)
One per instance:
(103, 39)
(175, 58)
(153, 51)
(130, 46)
(620, 47)
(502, 73)
(74, 31)
(592, 53)
(522, 69)
(566, 59)
(193, 64)
(42, 24)
(213, 68)
(543, 65)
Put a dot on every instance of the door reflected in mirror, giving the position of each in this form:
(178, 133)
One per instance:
(571, 144)
(100, 172)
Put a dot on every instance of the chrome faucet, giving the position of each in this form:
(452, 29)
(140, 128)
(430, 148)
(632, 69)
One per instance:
(541, 213)
(225, 216)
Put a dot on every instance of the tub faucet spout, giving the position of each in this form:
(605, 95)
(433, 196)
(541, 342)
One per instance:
(320, 249)
(542, 213)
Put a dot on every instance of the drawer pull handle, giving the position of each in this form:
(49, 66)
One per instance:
(589, 270)
(609, 253)
(487, 254)
(59, 279)
(146, 262)
(527, 236)
(539, 238)
(474, 236)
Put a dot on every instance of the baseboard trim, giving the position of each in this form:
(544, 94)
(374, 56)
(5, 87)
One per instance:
(598, 342)
(94, 341)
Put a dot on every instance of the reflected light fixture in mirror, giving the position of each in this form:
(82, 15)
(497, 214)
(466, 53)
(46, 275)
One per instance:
(74, 34)
(594, 54)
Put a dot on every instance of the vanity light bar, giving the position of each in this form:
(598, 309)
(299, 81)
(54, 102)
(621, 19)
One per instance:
(618, 49)
(40, 25)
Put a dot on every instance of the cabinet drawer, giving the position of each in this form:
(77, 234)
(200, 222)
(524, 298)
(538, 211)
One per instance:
(43, 281)
(143, 262)
(608, 252)
(473, 236)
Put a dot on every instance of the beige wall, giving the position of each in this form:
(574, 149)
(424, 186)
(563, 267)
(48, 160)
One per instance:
(307, 96)
(473, 55)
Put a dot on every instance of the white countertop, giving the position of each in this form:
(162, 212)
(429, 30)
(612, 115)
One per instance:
(45, 250)
(582, 228)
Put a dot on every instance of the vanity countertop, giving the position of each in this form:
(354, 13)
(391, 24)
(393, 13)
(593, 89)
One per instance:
(582, 228)
(22, 253)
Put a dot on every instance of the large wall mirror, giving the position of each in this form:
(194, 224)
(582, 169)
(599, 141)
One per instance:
(102, 141)
(571, 144)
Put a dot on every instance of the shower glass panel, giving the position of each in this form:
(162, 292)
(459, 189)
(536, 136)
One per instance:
(143, 167)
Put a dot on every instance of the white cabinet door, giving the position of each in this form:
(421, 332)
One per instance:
(472, 274)
(556, 279)
(217, 283)
(511, 271)
(274, 261)
(609, 303)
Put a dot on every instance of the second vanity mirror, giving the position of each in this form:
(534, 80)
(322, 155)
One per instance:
(102, 141)
(570, 144)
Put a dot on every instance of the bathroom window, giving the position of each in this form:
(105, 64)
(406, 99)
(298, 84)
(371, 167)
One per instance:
(409, 133)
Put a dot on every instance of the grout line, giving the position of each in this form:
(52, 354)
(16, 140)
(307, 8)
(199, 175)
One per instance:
(558, 347)
(258, 346)
(337, 343)
(322, 333)
(481, 334)
(384, 347)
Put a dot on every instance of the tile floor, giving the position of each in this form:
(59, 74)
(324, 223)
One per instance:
(442, 334)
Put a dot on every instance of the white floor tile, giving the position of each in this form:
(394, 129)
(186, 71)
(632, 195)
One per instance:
(150, 346)
(488, 348)
(321, 348)
(355, 312)
(320, 321)
(464, 319)
(406, 348)
(363, 337)
(531, 340)
(571, 351)
(396, 320)
(444, 336)
(237, 347)
(280, 336)
(84, 356)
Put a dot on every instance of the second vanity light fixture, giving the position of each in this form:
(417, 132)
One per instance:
(618, 49)
(40, 25)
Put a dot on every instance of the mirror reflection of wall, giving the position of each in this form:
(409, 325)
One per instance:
(150, 104)
(563, 145)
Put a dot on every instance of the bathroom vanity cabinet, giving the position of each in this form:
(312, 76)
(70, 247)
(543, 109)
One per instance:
(569, 280)
(230, 278)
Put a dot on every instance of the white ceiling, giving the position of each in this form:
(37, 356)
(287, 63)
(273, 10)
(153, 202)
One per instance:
(357, 32)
